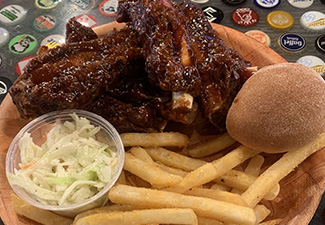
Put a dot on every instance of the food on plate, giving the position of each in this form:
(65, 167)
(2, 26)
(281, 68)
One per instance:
(281, 168)
(149, 172)
(162, 67)
(184, 54)
(70, 167)
(254, 166)
(39, 215)
(280, 108)
(261, 213)
(145, 216)
(212, 146)
(206, 207)
(167, 139)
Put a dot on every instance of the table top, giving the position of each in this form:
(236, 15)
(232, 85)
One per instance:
(40, 23)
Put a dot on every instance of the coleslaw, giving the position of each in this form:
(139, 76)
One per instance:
(71, 166)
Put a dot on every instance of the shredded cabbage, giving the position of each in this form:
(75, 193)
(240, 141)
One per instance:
(70, 166)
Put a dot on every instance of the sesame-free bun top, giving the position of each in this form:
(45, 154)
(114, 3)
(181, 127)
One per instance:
(280, 108)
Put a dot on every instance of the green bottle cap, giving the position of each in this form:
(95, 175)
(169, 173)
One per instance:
(23, 44)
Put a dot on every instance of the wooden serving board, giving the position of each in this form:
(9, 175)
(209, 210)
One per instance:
(300, 191)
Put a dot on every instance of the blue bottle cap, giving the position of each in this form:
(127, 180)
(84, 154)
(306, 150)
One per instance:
(292, 42)
(267, 4)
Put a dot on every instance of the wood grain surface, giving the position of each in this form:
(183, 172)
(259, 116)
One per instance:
(300, 191)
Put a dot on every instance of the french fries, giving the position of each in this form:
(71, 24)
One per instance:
(39, 215)
(213, 170)
(207, 221)
(279, 170)
(174, 159)
(104, 209)
(272, 222)
(220, 187)
(254, 165)
(217, 195)
(144, 197)
(146, 216)
(142, 154)
(241, 181)
(168, 139)
(212, 146)
(149, 172)
(261, 213)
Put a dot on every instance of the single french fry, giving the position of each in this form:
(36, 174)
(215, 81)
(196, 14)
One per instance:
(174, 159)
(213, 146)
(172, 170)
(271, 222)
(121, 179)
(146, 216)
(254, 165)
(208, 221)
(210, 208)
(236, 191)
(220, 187)
(105, 209)
(39, 215)
(217, 195)
(261, 213)
(211, 171)
(149, 172)
(279, 170)
(168, 139)
(142, 154)
(241, 181)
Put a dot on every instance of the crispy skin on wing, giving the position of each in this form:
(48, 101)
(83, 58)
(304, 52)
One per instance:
(221, 68)
(160, 26)
(72, 76)
(126, 117)
(75, 32)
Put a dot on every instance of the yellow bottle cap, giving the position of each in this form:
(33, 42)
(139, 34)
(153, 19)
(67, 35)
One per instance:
(280, 20)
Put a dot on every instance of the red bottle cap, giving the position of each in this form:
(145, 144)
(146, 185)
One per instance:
(245, 17)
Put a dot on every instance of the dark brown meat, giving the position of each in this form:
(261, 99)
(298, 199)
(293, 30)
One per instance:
(72, 76)
(160, 27)
(221, 68)
(75, 32)
(126, 117)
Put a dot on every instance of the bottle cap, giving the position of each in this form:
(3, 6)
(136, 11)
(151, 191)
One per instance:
(301, 4)
(108, 7)
(53, 40)
(5, 84)
(234, 2)
(259, 36)
(313, 62)
(12, 14)
(313, 20)
(4, 36)
(320, 43)
(200, 1)
(48, 4)
(44, 23)
(87, 20)
(21, 65)
(23, 44)
(214, 15)
(245, 16)
(292, 42)
(81, 5)
(267, 4)
(280, 19)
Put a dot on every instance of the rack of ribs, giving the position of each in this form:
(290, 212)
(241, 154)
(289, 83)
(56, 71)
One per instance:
(178, 37)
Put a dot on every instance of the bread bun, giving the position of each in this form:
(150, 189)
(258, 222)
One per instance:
(281, 107)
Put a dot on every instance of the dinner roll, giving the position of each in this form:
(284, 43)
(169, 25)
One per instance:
(281, 107)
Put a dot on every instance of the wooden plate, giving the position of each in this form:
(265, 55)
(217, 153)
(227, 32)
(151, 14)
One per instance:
(300, 191)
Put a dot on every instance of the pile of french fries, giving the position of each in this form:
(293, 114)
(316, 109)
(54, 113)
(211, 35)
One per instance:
(160, 186)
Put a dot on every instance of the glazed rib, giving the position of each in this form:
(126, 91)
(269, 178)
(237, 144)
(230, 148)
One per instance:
(71, 76)
(221, 68)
